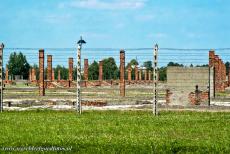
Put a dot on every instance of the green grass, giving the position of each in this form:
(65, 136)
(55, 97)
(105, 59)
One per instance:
(118, 131)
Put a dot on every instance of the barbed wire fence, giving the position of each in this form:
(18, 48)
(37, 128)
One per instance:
(183, 76)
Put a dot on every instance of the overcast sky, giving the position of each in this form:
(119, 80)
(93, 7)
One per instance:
(115, 23)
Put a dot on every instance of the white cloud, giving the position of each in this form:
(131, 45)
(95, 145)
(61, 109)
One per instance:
(105, 5)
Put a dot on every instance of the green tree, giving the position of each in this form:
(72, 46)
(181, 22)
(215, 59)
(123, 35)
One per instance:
(227, 65)
(35, 66)
(93, 71)
(64, 72)
(148, 65)
(162, 73)
(132, 63)
(110, 69)
(175, 64)
(18, 65)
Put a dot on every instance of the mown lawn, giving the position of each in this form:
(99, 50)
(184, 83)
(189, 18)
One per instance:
(117, 131)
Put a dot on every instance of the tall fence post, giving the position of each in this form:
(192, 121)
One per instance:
(79, 107)
(1, 76)
(155, 54)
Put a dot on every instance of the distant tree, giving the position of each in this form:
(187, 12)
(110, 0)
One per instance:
(175, 64)
(64, 72)
(110, 69)
(148, 65)
(93, 71)
(18, 65)
(35, 66)
(227, 65)
(162, 73)
(191, 65)
(132, 63)
(204, 65)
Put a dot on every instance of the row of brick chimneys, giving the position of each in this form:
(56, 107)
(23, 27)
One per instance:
(50, 71)
(219, 72)
(138, 72)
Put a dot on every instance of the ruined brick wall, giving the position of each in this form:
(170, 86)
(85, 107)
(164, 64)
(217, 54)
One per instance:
(219, 71)
(182, 81)
(196, 98)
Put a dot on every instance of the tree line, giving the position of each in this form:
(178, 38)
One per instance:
(18, 65)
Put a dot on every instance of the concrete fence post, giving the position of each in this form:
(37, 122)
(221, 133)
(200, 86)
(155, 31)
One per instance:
(41, 73)
(1, 75)
(122, 73)
(155, 55)
(78, 104)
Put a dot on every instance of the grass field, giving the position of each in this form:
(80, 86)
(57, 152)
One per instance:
(117, 131)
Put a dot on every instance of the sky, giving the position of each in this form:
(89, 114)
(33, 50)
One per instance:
(115, 24)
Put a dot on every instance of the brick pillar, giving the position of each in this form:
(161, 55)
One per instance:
(41, 74)
(211, 58)
(140, 74)
(33, 74)
(59, 75)
(229, 77)
(86, 66)
(100, 70)
(146, 75)
(122, 73)
(7, 74)
(136, 73)
(150, 76)
(30, 72)
(49, 67)
(129, 73)
(53, 77)
(70, 69)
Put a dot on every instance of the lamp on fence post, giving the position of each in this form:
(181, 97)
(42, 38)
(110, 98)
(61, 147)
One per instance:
(78, 104)
(1, 76)
(155, 52)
